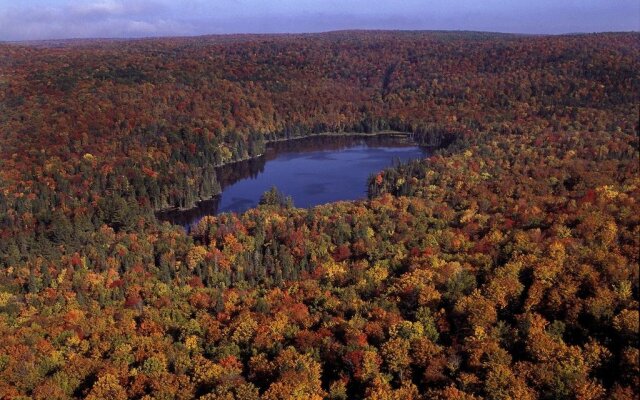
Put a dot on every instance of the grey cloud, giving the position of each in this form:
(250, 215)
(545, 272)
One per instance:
(110, 8)
(94, 19)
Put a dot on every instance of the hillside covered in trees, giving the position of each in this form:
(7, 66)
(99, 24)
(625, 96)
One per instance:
(503, 267)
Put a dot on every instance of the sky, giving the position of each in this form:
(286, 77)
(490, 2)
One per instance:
(62, 19)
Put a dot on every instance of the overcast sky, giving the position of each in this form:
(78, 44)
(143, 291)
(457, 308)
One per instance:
(57, 19)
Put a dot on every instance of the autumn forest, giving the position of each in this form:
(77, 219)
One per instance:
(505, 265)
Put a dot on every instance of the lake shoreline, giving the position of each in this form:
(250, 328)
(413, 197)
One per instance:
(386, 133)
(389, 133)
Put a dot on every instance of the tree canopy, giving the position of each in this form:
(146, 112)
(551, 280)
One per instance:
(505, 266)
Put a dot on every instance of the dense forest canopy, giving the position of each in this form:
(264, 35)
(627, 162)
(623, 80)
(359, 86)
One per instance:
(503, 267)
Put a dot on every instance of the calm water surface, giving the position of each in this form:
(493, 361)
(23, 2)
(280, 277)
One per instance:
(312, 171)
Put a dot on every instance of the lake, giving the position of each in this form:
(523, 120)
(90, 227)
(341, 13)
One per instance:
(313, 170)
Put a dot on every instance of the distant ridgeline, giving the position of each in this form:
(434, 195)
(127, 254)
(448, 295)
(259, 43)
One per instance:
(505, 266)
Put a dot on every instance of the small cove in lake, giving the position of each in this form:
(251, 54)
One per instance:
(313, 170)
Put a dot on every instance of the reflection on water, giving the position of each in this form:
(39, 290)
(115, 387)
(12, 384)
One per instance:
(314, 170)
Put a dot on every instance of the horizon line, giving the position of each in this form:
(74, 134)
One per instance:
(308, 33)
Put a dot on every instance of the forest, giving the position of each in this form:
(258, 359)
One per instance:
(504, 266)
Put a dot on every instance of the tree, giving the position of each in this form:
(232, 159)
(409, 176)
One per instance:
(107, 387)
(273, 197)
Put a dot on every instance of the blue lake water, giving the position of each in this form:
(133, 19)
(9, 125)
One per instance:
(311, 171)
